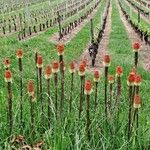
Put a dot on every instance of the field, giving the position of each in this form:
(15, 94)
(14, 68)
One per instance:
(52, 97)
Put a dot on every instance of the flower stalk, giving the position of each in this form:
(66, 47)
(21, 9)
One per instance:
(8, 80)
(19, 55)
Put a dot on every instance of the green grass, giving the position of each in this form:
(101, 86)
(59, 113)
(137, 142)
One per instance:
(71, 134)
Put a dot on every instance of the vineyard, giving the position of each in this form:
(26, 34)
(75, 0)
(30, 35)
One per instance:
(75, 75)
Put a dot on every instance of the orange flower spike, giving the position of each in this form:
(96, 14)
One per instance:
(82, 69)
(136, 46)
(88, 87)
(137, 101)
(6, 62)
(106, 60)
(131, 79)
(55, 66)
(72, 67)
(30, 88)
(138, 80)
(119, 71)
(19, 53)
(39, 62)
(111, 79)
(8, 76)
(60, 49)
(96, 76)
(48, 72)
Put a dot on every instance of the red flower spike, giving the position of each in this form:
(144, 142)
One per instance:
(55, 66)
(30, 88)
(82, 69)
(19, 53)
(39, 62)
(8, 76)
(48, 72)
(119, 71)
(137, 101)
(96, 76)
(106, 60)
(131, 79)
(136, 46)
(6, 62)
(60, 49)
(72, 68)
(138, 80)
(111, 79)
(88, 87)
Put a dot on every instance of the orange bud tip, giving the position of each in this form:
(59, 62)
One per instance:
(55, 66)
(19, 53)
(106, 60)
(60, 49)
(39, 62)
(8, 76)
(96, 76)
(137, 101)
(48, 72)
(88, 87)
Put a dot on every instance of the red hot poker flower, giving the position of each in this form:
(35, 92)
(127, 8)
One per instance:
(131, 79)
(48, 72)
(19, 53)
(136, 46)
(137, 101)
(55, 66)
(96, 76)
(8, 76)
(106, 60)
(138, 80)
(111, 79)
(119, 71)
(6, 62)
(39, 62)
(88, 87)
(60, 49)
(82, 69)
(30, 88)
(72, 67)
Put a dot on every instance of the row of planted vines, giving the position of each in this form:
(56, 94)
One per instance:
(51, 97)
